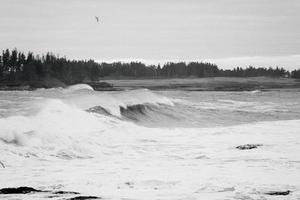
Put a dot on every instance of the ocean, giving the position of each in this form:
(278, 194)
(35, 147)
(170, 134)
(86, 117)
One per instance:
(140, 144)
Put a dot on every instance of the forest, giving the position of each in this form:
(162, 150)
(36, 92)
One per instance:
(17, 66)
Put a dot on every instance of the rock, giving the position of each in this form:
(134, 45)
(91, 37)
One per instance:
(19, 190)
(279, 193)
(248, 146)
(31, 85)
(130, 184)
(84, 197)
(65, 192)
(26, 190)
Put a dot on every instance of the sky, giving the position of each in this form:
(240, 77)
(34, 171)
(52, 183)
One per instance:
(229, 33)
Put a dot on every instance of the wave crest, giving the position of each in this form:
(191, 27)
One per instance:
(77, 87)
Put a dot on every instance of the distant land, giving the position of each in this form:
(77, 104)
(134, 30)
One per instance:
(253, 84)
(20, 71)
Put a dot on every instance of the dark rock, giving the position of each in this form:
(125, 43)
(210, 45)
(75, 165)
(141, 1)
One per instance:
(26, 190)
(248, 146)
(53, 196)
(84, 197)
(130, 184)
(31, 85)
(19, 190)
(279, 193)
(65, 192)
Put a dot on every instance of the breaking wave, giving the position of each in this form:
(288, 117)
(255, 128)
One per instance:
(65, 125)
(63, 121)
(139, 142)
(77, 87)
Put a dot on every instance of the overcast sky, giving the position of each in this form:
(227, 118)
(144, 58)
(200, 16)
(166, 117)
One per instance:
(227, 32)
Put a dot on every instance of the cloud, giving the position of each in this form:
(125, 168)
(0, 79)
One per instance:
(288, 62)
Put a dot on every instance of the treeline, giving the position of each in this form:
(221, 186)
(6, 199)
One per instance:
(18, 66)
(295, 74)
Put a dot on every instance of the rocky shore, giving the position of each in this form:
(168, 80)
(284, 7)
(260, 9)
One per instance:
(49, 83)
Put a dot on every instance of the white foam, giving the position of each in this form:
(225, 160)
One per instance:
(45, 149)
(56, 124)
(77, 87)
(141, 163)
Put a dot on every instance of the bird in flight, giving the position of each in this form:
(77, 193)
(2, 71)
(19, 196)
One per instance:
(97, 18)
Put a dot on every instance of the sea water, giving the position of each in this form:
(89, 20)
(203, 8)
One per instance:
(143, 144)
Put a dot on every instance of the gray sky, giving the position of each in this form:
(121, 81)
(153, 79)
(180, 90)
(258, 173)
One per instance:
(227, 32)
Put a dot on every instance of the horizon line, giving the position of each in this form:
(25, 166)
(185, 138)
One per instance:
(289, 62)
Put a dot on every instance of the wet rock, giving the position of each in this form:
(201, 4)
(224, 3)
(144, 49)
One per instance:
(18, 190)
(26, 190)
(84, 197)
(65, 192)
(279, 193)
(248, 146)
(130, 184)
(52, 196)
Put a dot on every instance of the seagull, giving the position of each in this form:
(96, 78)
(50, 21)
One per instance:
(97, 18)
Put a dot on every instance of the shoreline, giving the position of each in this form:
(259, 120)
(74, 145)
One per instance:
(188, 84)
(206, 84)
